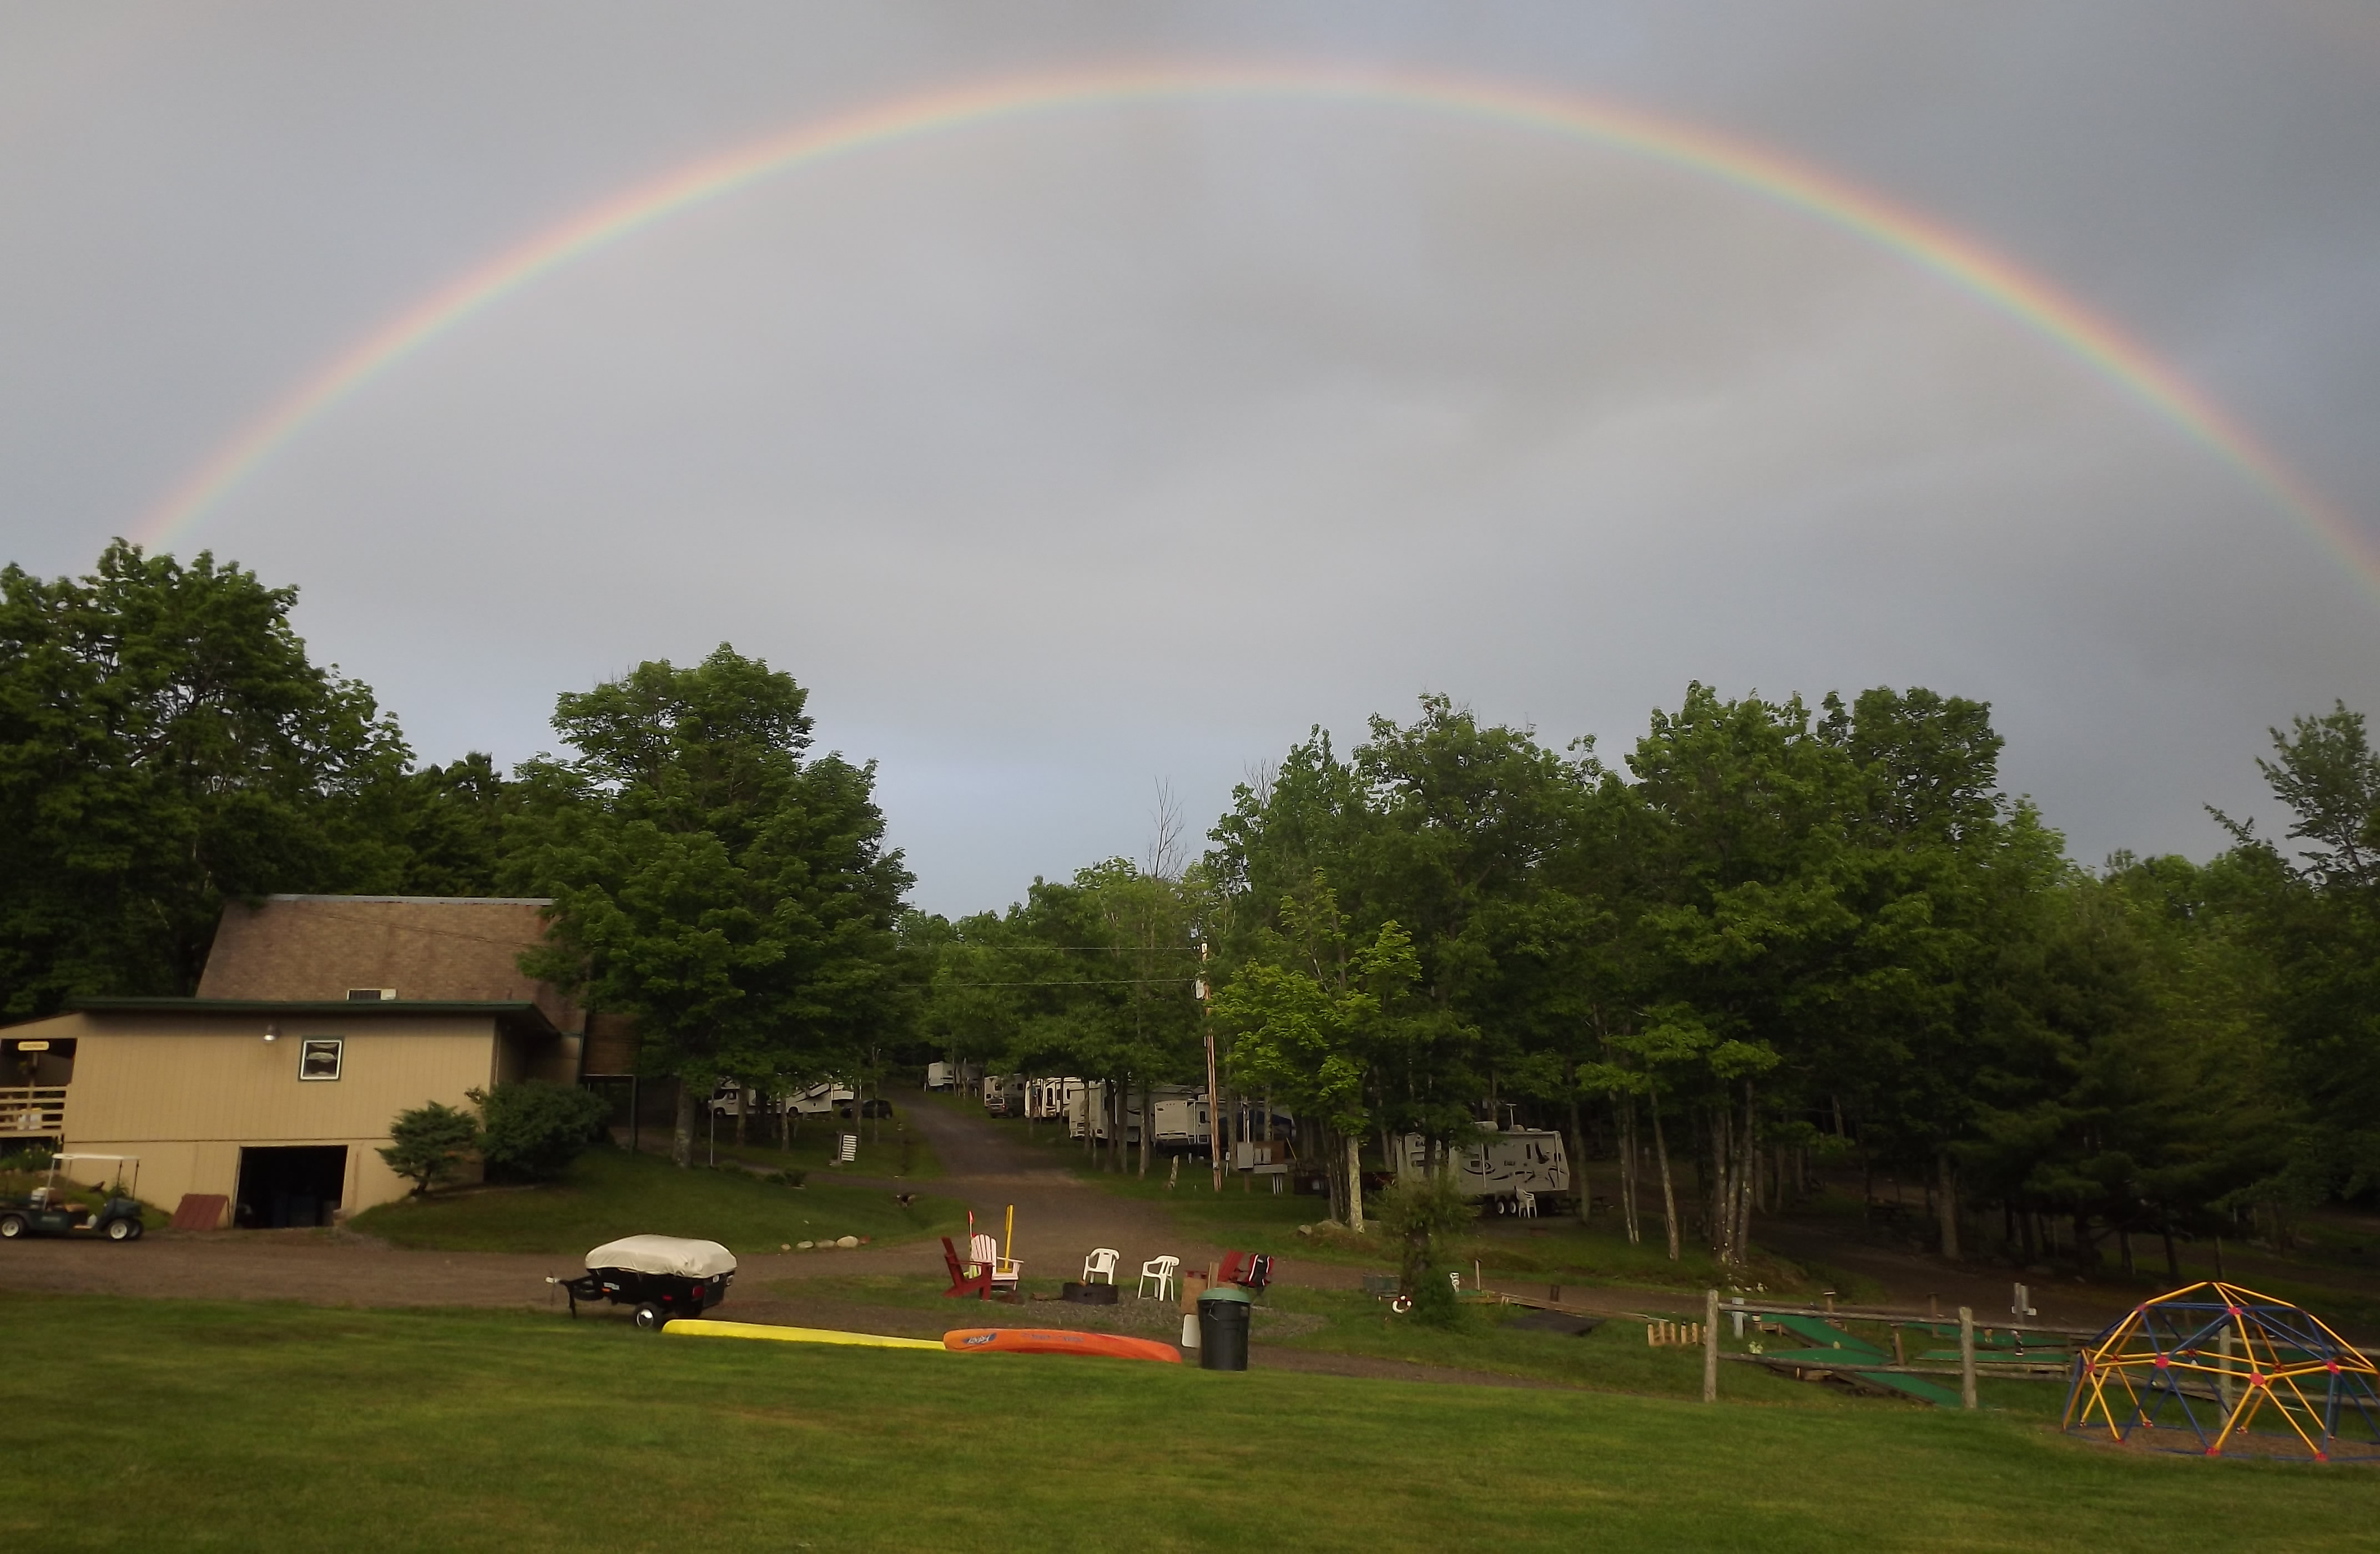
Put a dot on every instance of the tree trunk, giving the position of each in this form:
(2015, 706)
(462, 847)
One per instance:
(1147, 1126)
(1631, 1166)
(682, 1130)
(1578, 1158)
(1949, 1205)
(1751, 1177)
(740, 1110)
(1717, 1187)
(1354, 1182)
(1669, 1190)
(2172, 1262)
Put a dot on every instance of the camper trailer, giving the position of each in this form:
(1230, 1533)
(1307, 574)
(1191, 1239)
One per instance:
(940, 1077)
(1180, 1116)
(1048, 1100)
(1003, 1094)
(827, 1095)
(1090, 1113)
(1500, 1165)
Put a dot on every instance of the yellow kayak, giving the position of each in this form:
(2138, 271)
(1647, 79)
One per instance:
(697, 1327)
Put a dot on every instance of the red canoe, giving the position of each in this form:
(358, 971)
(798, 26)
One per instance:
(1059, 1341)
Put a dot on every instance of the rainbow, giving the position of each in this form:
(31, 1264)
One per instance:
(2023, 297)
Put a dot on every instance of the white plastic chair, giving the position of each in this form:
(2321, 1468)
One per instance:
(1103, 1259)
(1160, 1271)
(1525, 1204)
(985, 1249)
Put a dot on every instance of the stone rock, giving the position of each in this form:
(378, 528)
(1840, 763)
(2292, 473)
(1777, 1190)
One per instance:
(848, 1241)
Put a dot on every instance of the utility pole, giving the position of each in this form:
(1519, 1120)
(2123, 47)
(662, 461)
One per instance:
(1214, 1099)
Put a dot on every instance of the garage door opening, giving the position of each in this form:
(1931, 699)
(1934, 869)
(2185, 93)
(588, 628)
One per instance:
(295, 1186)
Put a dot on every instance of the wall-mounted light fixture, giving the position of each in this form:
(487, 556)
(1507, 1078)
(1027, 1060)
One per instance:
(273, 1032)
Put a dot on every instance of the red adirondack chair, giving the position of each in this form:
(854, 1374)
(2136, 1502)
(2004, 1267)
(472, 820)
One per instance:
(966, 1278)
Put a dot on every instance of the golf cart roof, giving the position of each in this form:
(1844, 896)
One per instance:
(664, 1253)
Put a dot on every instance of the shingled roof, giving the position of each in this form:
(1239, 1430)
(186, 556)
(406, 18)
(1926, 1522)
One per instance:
(454, 949)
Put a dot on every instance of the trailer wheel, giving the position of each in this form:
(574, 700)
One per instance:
(11, 1226)
(122, 1230)
(650, 1317)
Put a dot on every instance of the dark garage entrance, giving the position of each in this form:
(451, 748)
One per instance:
(281, 1187)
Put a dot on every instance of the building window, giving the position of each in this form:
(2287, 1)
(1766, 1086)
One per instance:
(318, 1057)
(371, 995)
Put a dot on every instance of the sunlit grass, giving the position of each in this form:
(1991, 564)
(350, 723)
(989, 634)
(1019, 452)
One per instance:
(608, 1192)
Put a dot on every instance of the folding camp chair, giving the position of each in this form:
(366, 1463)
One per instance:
(1250, 1270)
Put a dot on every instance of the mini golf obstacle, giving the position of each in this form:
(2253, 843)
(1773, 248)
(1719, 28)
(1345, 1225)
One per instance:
(2214, 1369)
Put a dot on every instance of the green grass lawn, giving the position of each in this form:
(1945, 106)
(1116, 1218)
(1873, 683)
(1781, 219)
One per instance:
(898, 1152)
(185, 1424)
(1490, 1338)
(608, 1192)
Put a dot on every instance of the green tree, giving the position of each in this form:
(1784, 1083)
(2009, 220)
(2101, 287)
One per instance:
(729, 891)
(531, 1129)
(429, 1143)
(165, 746)
(1419, 1213)
(2315, 916)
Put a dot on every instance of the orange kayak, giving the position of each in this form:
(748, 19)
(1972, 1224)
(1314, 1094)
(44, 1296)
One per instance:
(1058, 1340)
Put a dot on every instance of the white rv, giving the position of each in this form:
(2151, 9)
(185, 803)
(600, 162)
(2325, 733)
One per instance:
(1048, 1098)
(939, 1076)
(1003, 1094)
(1499, 1165)
(1180, 1116)
(822, 1098)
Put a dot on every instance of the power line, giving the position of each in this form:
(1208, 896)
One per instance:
(1089, 982)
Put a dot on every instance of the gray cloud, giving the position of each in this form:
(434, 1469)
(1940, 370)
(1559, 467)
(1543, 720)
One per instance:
(1064, 454)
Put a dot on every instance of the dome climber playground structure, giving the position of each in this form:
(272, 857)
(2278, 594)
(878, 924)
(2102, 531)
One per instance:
(2214, 1369)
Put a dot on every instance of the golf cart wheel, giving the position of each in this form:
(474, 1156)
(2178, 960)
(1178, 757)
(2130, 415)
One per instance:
(650, 1317)
(122, 1230)
(11, 1226)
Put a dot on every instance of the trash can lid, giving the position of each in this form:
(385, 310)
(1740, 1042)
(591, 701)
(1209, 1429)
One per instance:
(1226, 1293)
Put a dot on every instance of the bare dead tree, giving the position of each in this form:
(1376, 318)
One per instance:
(1166, 855)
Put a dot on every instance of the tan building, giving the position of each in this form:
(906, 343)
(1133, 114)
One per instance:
(318, 1020)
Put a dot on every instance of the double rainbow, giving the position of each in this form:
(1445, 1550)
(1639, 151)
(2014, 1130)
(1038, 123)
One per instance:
(2023, 297)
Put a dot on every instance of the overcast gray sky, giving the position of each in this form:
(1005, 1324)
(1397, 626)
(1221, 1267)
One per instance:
(1059, 455)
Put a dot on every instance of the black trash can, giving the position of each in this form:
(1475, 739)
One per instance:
(1223, 1329)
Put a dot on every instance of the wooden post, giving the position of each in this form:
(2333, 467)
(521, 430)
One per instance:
(1710, 1346)
(1900, 1354)
(1966, 1357)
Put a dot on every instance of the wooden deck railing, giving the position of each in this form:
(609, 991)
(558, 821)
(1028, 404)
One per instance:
(33, 1111)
